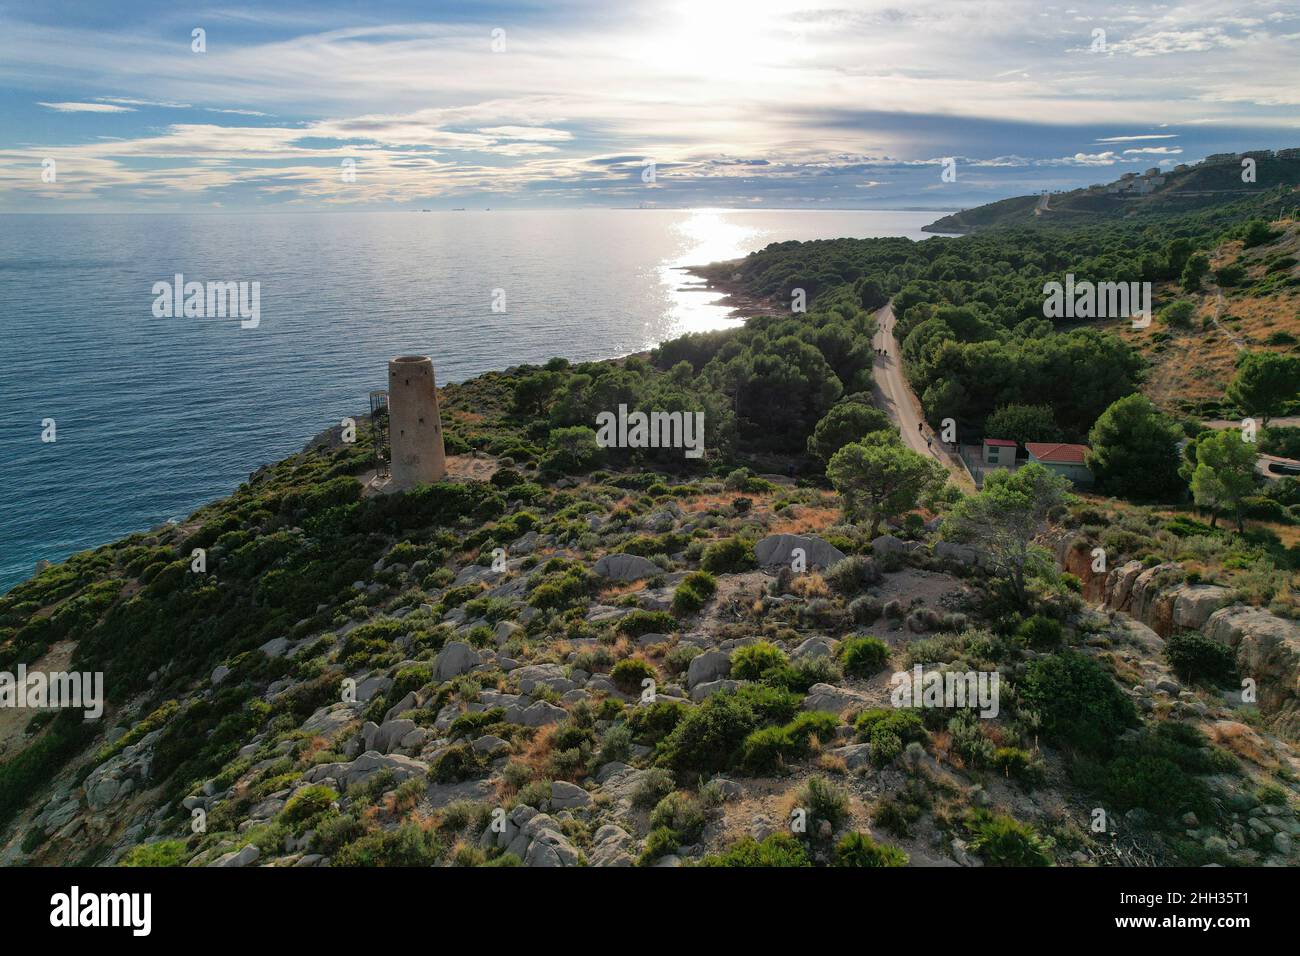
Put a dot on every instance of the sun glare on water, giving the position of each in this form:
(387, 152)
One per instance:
(707, 235)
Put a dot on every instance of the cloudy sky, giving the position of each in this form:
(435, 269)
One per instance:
(745, 103)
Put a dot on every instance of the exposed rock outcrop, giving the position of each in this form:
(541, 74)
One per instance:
(778, 549)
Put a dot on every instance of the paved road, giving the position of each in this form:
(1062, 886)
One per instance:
(899, 402)
(1263, 461)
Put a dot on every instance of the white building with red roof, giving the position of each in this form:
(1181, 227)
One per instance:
(999, 451)
(1062, 458)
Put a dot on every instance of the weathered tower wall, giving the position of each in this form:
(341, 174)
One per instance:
(414, 425)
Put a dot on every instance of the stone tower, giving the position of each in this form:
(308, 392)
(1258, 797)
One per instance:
(414, 426)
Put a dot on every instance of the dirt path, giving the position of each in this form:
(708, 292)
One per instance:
(1218, 311)
(899, 402)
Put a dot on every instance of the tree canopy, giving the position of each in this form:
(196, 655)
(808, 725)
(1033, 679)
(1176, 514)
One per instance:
(1134, 451)
(879, 478)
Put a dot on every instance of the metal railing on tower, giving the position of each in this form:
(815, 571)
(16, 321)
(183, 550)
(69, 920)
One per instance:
(379, 430)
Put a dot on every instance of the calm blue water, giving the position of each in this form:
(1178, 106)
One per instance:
(156, 416)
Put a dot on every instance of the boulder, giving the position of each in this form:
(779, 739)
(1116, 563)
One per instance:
(854, 755)
(568, 796)
(548, 846)
(1268, 649)
(659, 522)
(504, 631)
(489, 744)
(240, 857)
(626, 567)
(410, 702)
(709, 688)
(454, 659)
(371, 687)
(1119, 585)
(816, 646)
(709, 666)
(276, 647)
(612, 846)
(830, 699)
(535, 715)
(888, 544)
(543, 675)
(388, 737)
(778, 549)
(1194, 603)
(369, 763)
(328, 721)
(963, 555)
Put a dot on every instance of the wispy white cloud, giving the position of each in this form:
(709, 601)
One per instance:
(86, 107)
(1132, 139)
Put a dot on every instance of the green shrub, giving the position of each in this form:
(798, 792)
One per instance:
(1078, 703)
(651, 787)
(767, 748)
(710, 736)
(865, 609)
(863, 656)
(1015, 762)
(572, 450)
(458, 762)
(1039, 631)
(694, 592)
(652, 723)
(681, 813)
(823, 801)
(334, 832)
(161, 853)
(1154, 784)
(661, 842)
(678, 660)
(1178, 314)
(752, 661)
(473, 722)
(25, 773)
(1195, 657)
(888, 730)
(852, 574)
(408, 845)
(1001, 840)
(309, 802)
(1158, 771)
(858, 849)
(640, 622)
(731, 555)
(630, 672)
(777, 850)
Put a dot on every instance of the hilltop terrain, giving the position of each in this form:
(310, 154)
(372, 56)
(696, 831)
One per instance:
(1151, 196)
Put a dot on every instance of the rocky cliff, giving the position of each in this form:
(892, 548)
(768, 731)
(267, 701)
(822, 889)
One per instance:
(1267, 647)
